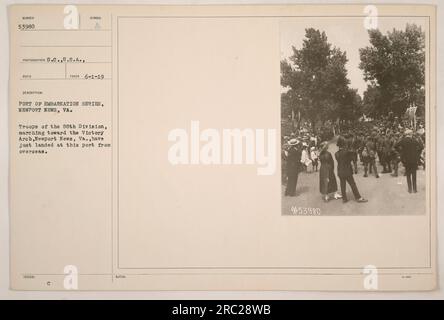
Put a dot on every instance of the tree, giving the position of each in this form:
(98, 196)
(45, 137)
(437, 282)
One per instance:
(394, 66)
(372, 102)
(316, 79)
(352, 107)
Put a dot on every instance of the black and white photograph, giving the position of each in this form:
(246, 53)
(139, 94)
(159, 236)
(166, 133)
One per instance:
(353, 116)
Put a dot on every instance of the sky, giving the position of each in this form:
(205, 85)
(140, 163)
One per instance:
(346, 33)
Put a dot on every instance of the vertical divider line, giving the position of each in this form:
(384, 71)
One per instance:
(117, 156)
(112, 152)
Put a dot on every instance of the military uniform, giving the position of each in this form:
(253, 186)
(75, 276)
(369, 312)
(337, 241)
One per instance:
(369, 157)
(386, 150)
(395, 156)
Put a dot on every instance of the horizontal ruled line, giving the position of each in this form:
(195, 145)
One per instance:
(231, 273)
(72, 62)
(71, 30)
(26, 79)
(63, 46)
(267, 16)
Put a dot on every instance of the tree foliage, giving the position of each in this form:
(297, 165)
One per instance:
(316, 78)
(394, 66)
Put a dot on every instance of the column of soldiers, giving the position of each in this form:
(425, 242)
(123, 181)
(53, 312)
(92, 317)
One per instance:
(388, 143)
(391, 146)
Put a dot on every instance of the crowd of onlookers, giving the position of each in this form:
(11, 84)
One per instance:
(386, 143)
(309, 141)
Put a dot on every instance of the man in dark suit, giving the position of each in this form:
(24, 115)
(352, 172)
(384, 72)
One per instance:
(410, 150)
(293, 166)
(344, 157)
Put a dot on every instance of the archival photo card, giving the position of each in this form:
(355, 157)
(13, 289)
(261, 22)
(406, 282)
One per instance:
(222, 147)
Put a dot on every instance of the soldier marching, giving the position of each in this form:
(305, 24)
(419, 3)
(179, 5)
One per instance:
(389, 144)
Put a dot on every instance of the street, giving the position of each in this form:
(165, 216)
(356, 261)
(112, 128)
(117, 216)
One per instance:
(387, 195)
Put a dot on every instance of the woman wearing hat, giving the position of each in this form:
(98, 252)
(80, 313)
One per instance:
(293, 167)
(327, 179)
